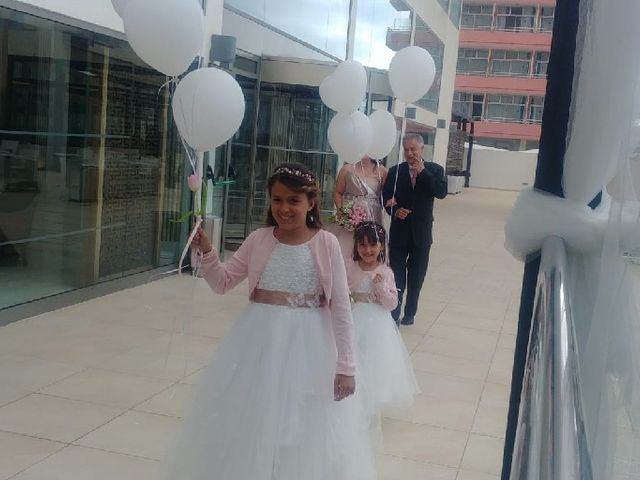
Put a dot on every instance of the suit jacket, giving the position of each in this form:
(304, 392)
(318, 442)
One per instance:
(430, 184)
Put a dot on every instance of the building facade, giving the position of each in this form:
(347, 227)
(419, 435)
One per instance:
(502, 66)
(92, 173)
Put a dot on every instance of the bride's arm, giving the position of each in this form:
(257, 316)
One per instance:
(341, 186)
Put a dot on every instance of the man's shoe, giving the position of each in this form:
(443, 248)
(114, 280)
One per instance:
(407, 321)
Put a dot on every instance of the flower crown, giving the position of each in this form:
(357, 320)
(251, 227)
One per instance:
(294, 172)
(373, 225)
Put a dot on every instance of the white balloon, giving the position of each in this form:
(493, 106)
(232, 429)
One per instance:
(119, 6)
(167, 34)
(411, 73)
(384, 134)
(345, 88)
(349, 135)
(208, 107)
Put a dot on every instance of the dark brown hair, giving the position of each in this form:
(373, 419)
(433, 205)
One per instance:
(372, 232)
(300, 179)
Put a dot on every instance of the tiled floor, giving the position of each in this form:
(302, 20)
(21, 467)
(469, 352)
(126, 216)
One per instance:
(94, 391)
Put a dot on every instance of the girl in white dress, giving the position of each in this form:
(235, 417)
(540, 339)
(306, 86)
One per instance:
(276, 401)
(386, 375)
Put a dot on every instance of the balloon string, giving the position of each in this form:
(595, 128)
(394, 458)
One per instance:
(192, 235)
(173, 81)
(395, 183)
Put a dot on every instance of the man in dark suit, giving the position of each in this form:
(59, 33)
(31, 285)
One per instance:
(409, 200)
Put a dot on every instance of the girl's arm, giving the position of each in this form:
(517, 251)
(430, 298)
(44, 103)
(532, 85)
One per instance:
(222, 277)
(386, 290)
(340, 307)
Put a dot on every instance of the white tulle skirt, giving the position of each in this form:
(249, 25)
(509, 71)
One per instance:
(265, 408)
(385, 371)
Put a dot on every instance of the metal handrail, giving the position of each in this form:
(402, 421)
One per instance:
(551, 442)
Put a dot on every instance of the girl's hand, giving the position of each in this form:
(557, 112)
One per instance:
(378, 278)
(343, 386)
(201, 241)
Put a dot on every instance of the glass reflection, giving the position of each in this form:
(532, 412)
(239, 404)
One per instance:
(319, 23)
(382, 28)
(90, 171)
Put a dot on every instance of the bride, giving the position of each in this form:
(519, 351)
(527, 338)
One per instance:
(359, 184)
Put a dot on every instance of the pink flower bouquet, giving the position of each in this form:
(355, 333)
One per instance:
(350, 215)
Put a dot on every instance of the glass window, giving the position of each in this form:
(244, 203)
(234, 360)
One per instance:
(292, 127)
(546, 18)
(510, 63)
(382, 28)
(506, 108)
(91, 168)
(477, 17)
(469, 104)
(535, 109)
(321, 24)
(428, 40)
(518, 19)
(540, 64)
(502, 143)
(473, 61)
(455, 12)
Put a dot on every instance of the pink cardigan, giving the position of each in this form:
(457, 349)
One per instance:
(251, 259)
(386, 292)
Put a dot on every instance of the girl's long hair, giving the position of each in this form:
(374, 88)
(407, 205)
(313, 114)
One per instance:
(300, 179)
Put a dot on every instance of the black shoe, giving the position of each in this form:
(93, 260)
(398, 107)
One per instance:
(407, 321)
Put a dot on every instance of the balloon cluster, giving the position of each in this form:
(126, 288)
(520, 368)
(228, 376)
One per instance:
(208, 104)
(352, 134)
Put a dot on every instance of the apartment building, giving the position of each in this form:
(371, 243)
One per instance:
(501, 70)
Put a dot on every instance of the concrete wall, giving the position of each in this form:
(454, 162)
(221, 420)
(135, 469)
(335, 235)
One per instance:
(502, 169)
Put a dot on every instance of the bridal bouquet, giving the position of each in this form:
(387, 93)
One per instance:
(350, 215)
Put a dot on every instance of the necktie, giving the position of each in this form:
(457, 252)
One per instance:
(413, 175)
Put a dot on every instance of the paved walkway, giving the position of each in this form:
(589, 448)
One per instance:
(94, 391)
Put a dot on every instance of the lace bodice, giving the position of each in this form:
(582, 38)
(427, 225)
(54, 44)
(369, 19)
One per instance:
(365, 285)
(291, 268)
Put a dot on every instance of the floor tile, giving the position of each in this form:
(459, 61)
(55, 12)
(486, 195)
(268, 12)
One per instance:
(107, 388)
(491, 421)
(471, 475)
(445, 387)
(80, 463)
(171, 402)
(424, 443)
(134, 433)
(54, 418)
(451, 414)
(395, 468)
(483, 454)
(18, 452)
(454, 366)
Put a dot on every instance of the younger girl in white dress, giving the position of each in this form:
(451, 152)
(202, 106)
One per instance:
(273, 402)
(385, 371)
